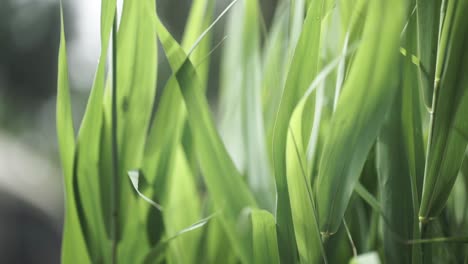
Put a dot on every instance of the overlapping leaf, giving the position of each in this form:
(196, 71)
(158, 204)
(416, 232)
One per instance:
(86, 168)
(73, 244)
(304, 215)
(301, 72)
(367, 95)
(242, 125)
(449, 126)
(265, 245)
(224, 182)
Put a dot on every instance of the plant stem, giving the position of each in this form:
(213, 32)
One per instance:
(115, 157)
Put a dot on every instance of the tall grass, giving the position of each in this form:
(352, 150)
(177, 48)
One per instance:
(340, 135)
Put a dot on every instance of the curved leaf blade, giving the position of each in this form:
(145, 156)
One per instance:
(449, 127)
(265, 244)
(73, 244)
(221, 176)
(303, 208)
(362, 106)
(302, 70)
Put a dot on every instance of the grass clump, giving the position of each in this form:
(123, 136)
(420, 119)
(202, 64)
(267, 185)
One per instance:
(341, 134)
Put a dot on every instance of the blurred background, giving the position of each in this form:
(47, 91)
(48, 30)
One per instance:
(31, 193)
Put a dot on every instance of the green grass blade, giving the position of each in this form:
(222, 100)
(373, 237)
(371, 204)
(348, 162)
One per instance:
(368, 198)
(394, 174)
(224, 182)
(156, 255)
(362, 106)
(241, 98)
(135, 179)
(106, 164)
(274, 68)
(137, 65)
(88, 143)
(169, 122)
(200, 17)
(400, 161)
(230, 124)
(265, 244)
(73, 243)
(216, 248)
(161, 138)
(259, 175)
(428, 33)
(352, 17)
(412, 122)
(183, 207)
(449, 130)
(459, 239)
(297, 10)
(304, 216)
(66, 133)
(301, 72)
(136, 84)
(164, 134)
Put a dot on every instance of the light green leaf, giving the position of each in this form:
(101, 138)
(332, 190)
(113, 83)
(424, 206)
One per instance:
(297, 10)
(216, 247)
(265, 244)
(136, 89)
(135, 179)
(170, 115)
(183, 207)
(73, 244)
(301, 72)
(224, 182)
(86, 169)
(274, 69)
(156, 255)
(241, 99)
(304, 216)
